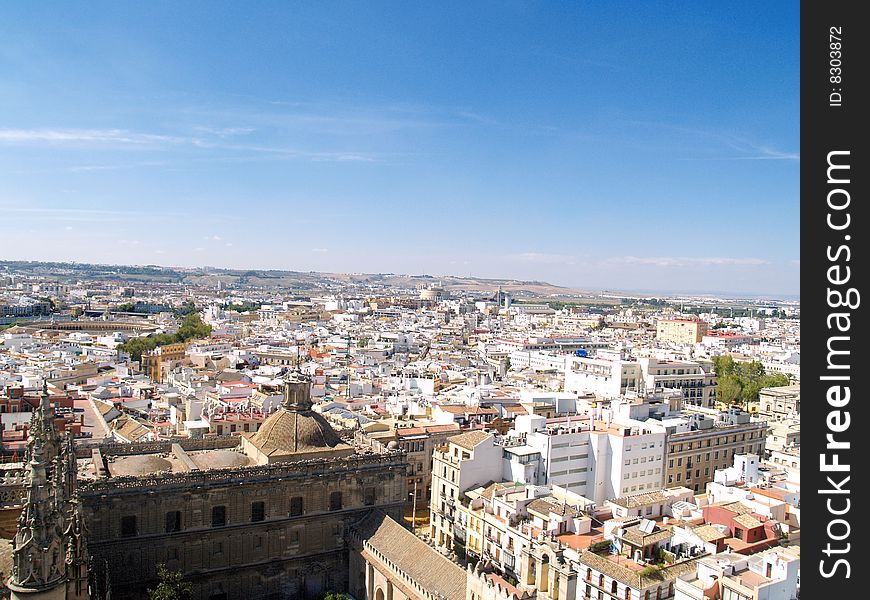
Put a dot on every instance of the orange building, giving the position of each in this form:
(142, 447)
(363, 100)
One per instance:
(153, 360)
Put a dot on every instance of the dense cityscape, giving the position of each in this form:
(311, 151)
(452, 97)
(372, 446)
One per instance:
(284, 435)
(341, 300)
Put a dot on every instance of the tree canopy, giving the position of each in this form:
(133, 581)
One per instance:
(191, 328)
(172, 586)
(741, 382)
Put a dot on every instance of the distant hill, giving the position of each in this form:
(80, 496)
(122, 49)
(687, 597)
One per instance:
(268, 278)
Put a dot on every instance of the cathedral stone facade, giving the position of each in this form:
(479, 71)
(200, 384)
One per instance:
(267, 518)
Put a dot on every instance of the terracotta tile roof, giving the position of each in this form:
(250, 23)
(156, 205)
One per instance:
(748, 521)
(736, 507)
(708, 533)
(470, 440)
(626, 570)
(643, 499)
(426, 566)
(636, 537)
(131, 429)
(545, 506)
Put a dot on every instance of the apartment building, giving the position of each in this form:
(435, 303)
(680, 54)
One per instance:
(770, 575)
(419, 443)
(680, 331)
(592, 458)
(699, 444)
(607, 375)
(466, 460)
(696, 379)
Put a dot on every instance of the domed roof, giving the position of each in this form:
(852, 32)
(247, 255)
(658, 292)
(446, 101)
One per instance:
(290, 432)
(295, 428)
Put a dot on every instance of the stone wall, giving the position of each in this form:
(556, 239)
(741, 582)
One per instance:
(282, 556)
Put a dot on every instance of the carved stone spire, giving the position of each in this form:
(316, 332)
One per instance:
(42, 426)
(38, 549)
(49, 555)
(77, 559)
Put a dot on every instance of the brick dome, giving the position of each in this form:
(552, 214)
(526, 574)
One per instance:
(295, 428)
(290, 432)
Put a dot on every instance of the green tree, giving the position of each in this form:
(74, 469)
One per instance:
(740, 383)
(172, 586)
(729, 389)
(751, 371)
(191, 328)
(187, 308)
(724, 365)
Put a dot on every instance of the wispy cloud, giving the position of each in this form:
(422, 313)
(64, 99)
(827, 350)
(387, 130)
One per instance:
(320, 249)
(544, 258)
(740, 146)
(116, 167)
(685, 261)
(88, 215)
(214, 140)
(224, 131)
(768, 153)
(85, 136)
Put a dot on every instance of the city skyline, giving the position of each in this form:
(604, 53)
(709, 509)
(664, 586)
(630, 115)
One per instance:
(594, 147)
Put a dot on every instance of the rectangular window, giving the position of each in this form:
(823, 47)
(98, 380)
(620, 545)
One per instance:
(173, 521)
(128, 526)
(335, 501)
(369, 496)
(218, 516)
(258, 511)
(296, 506)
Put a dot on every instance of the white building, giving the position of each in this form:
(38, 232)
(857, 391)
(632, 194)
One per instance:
(466, 461)
(770, 575)
(606, 375)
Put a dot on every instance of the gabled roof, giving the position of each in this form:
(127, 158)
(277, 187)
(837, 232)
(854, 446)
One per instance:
(708, 533)
(433, 571)
(470, 440)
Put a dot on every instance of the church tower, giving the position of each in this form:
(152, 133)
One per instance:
(38, 570)
(49, 555)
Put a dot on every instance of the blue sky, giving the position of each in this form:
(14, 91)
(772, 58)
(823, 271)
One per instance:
(598, 145)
